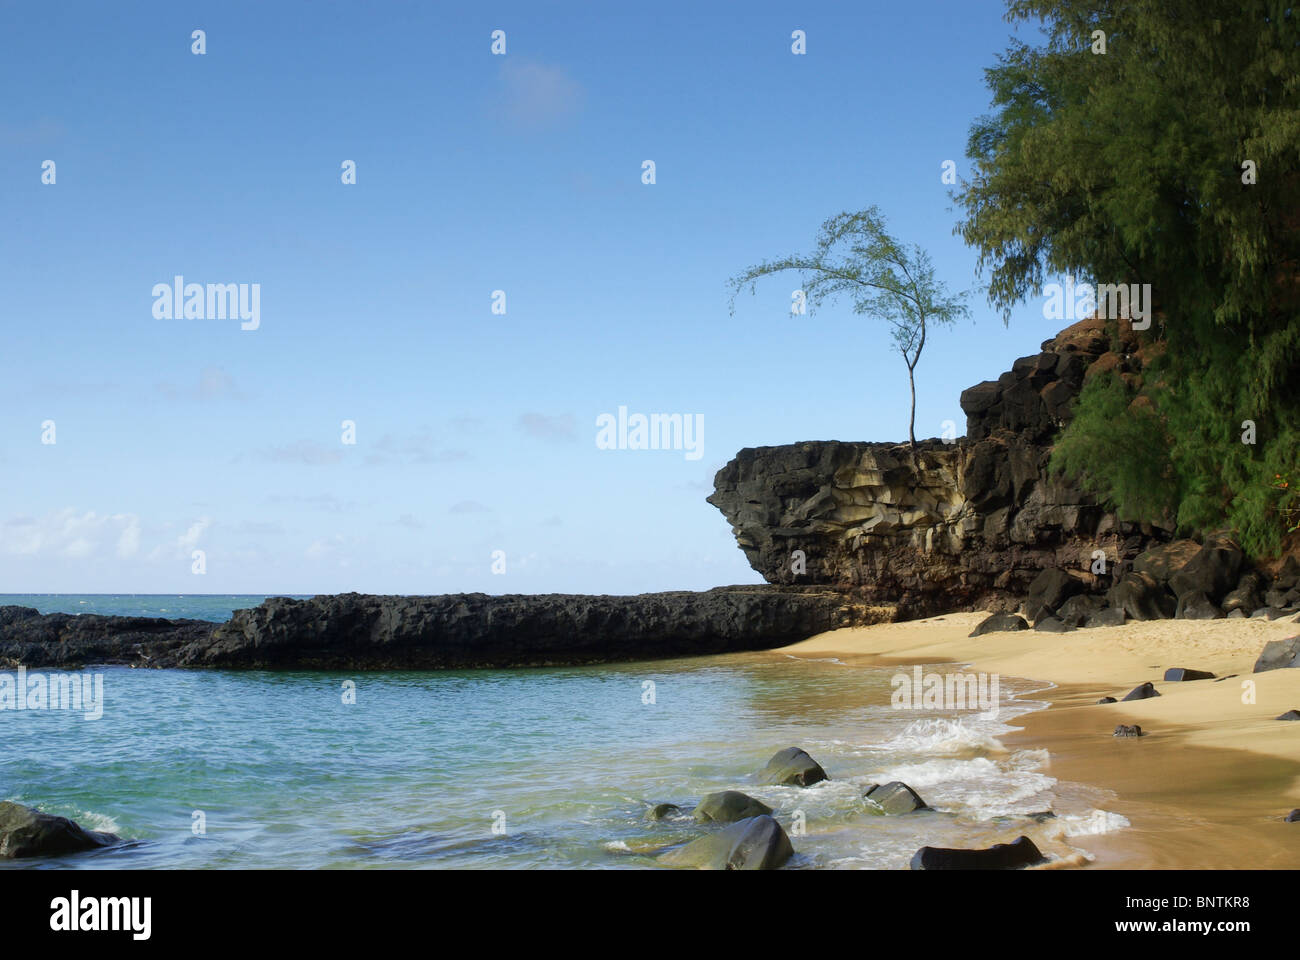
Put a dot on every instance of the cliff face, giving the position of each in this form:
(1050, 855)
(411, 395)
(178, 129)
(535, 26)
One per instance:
(945, 525)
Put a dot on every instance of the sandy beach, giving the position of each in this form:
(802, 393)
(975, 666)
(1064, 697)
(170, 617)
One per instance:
(1210, 782)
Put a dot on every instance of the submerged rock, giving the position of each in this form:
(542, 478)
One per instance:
(895, 797)
(1021, 852)
(758, 843)
(1143, 691)
(728, 806)
(25, 832)
(661, 811)
(792, 767)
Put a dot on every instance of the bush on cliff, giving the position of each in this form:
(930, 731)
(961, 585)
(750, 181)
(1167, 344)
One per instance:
(1172, 158)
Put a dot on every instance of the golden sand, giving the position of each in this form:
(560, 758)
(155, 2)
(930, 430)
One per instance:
(1209, 783)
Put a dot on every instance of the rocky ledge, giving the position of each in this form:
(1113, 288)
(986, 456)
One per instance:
(362, 632)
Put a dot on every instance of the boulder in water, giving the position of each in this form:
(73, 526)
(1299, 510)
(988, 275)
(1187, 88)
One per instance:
(25, 832)
(758, 843)
(896, 797)
(1021, 852)
(792, 767)
(728, 806)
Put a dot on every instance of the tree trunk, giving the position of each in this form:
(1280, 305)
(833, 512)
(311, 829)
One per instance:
(911, 420)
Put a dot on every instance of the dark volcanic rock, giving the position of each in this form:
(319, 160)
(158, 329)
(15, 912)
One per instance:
(1166, 559)
(1144, 691)
(1021, 852)
(1183, 673)
(1289, 715)
(1213, 571)
(1107, 700)
(1246, 596)
(1197, 606)
(63, 640)
(1142, 597)
(998, 623)
(758, 843)
(25, 832)
(1128, 730)
(1053, 625)
(661, 811)
(896, 797)
(1279, 654)
(792, 767)
(728, 806)
(1110, 617)
(1079, 609)
(1051, 588)
(1293, 816)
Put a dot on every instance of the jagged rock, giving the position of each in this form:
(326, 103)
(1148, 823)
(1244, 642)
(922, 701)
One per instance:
(661, 811)
(359, 632)
(1143, 691)
(792, 767)
(1197, 606)
(998, 623)
(1107, 700)
(1213, 571)
(1021, 852)
(1279, 655)
(1174, 674)
(1080, 608)
(1141, 597)
(1128, 730)
(26, 832)
(1246, 596)
(1110, 617)
(896, 797)
(1289, 715)
(728, 806)
(758, 843)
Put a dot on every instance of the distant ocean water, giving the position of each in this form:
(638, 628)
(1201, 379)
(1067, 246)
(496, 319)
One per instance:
(216, 607)
(562, 762)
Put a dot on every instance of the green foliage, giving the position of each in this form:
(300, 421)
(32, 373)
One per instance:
(855, 255)
(1127, 167)
(1108, 427)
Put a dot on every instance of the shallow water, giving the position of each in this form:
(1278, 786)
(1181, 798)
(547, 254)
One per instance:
(546, 767)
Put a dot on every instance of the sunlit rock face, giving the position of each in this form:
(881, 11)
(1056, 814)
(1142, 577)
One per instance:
(941, 526)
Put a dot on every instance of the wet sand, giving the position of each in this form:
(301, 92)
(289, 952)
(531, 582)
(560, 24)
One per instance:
(1209, 783)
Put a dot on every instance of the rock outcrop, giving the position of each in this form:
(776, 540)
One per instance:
(27, 832)
(361, 632)
(963, 524)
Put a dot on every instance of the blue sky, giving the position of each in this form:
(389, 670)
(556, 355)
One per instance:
(475, 432)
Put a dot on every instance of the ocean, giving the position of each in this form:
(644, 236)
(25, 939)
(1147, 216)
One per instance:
(529, 768)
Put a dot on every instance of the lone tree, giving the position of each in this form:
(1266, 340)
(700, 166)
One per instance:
(856, 255)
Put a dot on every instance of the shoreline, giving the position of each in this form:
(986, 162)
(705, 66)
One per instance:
(1206, 787)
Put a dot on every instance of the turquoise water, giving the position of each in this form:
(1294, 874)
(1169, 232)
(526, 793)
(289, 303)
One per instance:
(562, 762)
